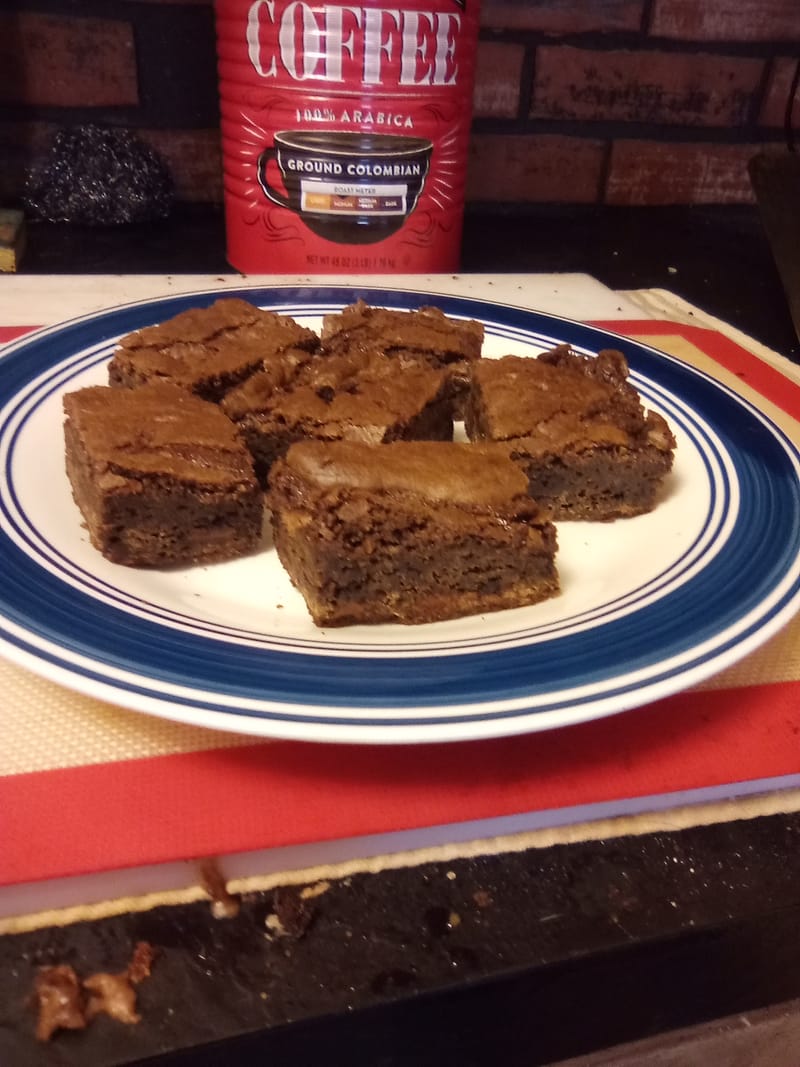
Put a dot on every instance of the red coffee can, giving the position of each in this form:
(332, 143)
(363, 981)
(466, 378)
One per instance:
(345, 130)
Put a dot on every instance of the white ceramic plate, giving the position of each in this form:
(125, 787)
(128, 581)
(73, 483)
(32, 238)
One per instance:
(649, 605)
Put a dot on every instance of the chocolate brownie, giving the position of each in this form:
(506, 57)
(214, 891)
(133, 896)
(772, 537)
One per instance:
(409, 532)
(160, 476)
(427, 334)
(358, 396)
(208, 350)
(577, 427)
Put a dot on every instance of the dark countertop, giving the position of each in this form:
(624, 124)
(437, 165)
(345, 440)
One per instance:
(525, 958)
(519, 959)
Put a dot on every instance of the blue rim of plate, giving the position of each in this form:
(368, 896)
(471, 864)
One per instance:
(734, 586)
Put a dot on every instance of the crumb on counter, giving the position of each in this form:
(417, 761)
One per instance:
(65, 1002)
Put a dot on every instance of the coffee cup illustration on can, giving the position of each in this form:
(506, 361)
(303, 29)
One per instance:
(348, 187)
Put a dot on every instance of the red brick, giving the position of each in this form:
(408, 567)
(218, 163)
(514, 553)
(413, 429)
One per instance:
(653, 172)
(773, 109)
(497, 80)
(562, 16)
(688, 89)
(545, 168)
(727, 20)
(194, 158)
(50, 61)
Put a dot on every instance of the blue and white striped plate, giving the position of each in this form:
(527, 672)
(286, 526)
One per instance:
(649, 605)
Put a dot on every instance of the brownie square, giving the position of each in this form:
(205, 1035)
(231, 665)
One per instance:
(427, 334)
(577, 427)
(160, 476)
(409, 532)
(208, 350)
(359, 396)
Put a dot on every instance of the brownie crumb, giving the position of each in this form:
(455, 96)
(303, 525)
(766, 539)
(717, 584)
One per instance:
(141, 965)
(66, 1003)
(316, 890)
(291, 915)
(111, 994)
(223, 904)
(60, 1001)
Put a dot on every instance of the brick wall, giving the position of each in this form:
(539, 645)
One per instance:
(577, 101)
